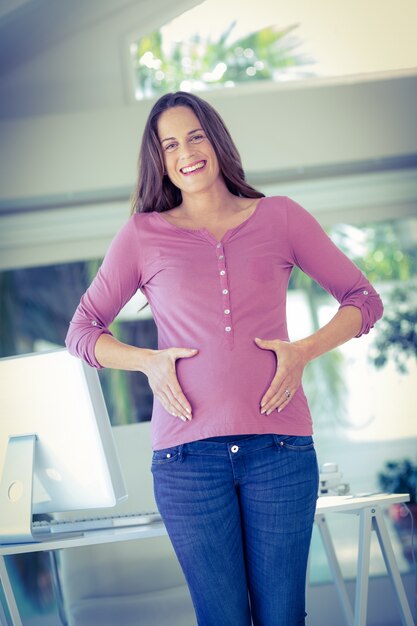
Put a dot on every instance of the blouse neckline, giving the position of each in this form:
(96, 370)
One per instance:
(205, 230)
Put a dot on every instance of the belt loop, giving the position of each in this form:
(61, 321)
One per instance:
(181, 452)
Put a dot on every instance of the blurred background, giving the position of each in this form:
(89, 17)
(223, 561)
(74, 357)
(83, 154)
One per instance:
(321, 99)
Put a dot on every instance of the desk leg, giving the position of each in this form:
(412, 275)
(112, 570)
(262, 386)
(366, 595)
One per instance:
(362, 578)
(392, 567)
(320, 521)
(3, 618)
(8, 592)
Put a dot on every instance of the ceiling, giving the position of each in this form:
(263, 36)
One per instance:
(69, 55)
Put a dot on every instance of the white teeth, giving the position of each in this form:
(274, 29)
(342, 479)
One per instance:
(192, 168)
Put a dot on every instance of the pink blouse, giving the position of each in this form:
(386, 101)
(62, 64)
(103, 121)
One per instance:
(217, 296)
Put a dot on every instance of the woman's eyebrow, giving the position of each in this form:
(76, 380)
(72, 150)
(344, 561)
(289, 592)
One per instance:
(173, 138)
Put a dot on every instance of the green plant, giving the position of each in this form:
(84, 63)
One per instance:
(399, 477)
(200, 63)
(397, 331)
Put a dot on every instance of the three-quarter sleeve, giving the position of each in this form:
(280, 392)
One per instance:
(116, 281)
(315, 254)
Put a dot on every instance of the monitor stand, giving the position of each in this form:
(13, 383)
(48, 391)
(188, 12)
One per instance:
(16, 490)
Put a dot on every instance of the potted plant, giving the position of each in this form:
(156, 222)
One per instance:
(401, 477)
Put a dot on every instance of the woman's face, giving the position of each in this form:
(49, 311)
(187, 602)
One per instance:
(190, 161)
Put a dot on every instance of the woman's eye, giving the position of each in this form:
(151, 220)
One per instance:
(170, 146)
(197, 138)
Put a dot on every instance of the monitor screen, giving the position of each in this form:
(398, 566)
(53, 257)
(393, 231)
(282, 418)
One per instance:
(58, 398)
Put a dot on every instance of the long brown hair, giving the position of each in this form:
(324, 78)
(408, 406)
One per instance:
(154, 191)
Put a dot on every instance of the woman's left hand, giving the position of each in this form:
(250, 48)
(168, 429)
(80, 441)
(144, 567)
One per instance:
(291, 362)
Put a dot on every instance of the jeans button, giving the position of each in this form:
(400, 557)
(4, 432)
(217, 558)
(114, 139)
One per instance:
(234, 448)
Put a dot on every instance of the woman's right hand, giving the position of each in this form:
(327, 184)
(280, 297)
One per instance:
(162, 377)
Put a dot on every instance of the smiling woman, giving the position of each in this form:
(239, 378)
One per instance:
(189, 158)
(227, 381)
(201, 130)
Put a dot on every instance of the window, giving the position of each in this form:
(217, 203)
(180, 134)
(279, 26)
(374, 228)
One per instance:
(37, 305)
(208, 48)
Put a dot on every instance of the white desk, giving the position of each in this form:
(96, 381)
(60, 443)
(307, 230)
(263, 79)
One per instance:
(368, 508)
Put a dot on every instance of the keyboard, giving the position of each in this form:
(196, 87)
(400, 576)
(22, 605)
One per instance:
(54, 527)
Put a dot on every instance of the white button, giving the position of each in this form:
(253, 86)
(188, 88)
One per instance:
(221, 256)
(222, 273)
(228, 329)
(219, 245)
(94, 323)
(365, 293)
(227, 311)
(168, 456)
(234, 449)
(225, 291)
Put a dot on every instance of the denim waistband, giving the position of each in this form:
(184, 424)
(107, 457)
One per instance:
(226, 438)
(248, 443)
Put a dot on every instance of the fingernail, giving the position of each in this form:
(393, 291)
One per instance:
(184, 419)
(280, 409)
(189, 410)
(262, 411)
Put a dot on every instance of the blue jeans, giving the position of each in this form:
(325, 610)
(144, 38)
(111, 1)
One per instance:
(239, 511)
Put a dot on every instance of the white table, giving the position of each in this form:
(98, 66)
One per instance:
(369, 509)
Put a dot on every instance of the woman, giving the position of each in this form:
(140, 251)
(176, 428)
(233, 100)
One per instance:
(234, 466)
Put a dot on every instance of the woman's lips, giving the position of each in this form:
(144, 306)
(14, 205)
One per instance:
(194, 168)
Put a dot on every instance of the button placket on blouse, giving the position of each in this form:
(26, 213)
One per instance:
(224, 286)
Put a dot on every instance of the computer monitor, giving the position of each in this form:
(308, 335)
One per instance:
(56, 445)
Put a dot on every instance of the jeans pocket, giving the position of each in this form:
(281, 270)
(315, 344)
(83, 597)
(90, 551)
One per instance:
(166, 455)
(300, 443)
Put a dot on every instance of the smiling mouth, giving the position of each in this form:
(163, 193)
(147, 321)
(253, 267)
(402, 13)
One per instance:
(195, 167)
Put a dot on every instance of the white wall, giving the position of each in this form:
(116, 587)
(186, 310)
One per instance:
(276, 127)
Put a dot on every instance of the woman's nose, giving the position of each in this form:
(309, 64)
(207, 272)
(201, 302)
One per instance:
(186, 151)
